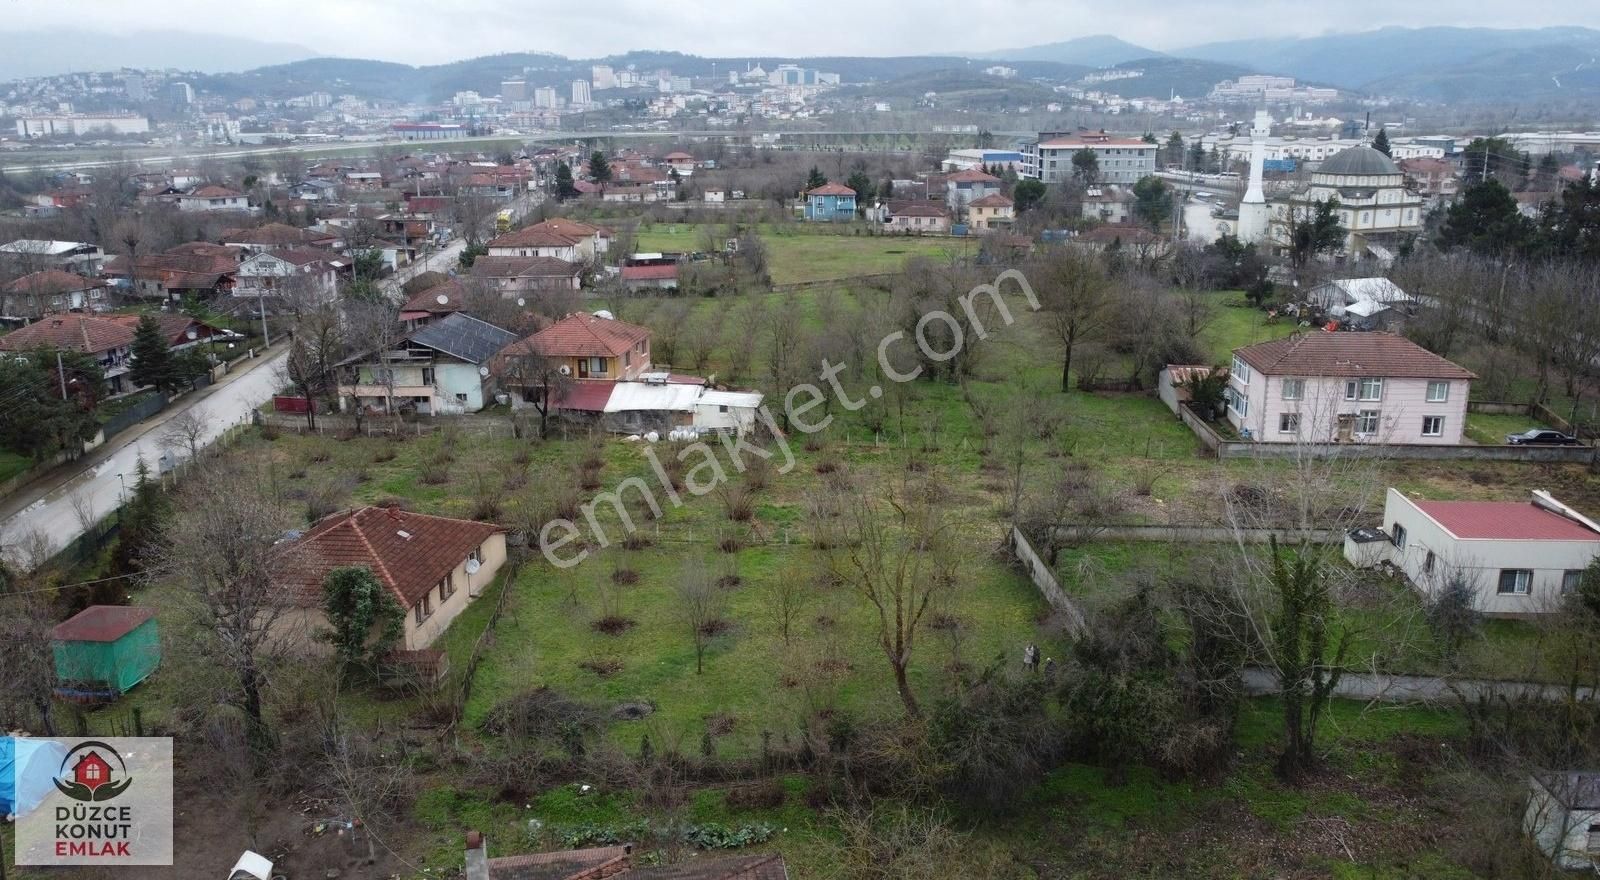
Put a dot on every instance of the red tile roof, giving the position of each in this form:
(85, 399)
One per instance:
(276, 234)
(51, 281)
(584, 335)
(649, 273)
(409, 552)
(428, 300)
(1505, 520)
(212, 191)
(174, 326)
(1376, 354)
(831, 189)
(534, 237)
(972, 175)
(990, 201)
(590, 395)
(573, 228)
(102, 623)
(73, 332)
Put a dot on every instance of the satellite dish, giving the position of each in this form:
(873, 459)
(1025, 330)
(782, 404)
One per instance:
(473, 565)
(483, 371)
(192, 334)
(521, 302)
(442, 300)
(565, 370)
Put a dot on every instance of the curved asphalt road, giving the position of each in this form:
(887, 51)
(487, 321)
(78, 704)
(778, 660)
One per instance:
(51, 514)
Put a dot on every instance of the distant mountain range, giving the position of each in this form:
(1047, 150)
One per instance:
(1434, 63)
(1100, 50)
(52, 52)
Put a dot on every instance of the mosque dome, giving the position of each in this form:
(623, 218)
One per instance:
(1362, 161)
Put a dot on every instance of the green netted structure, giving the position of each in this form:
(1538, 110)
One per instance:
(104, 650)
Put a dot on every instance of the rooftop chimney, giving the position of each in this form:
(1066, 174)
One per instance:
(477, 857)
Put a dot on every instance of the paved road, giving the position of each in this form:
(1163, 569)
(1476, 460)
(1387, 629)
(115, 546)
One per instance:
(49, 508)
(1419, 688)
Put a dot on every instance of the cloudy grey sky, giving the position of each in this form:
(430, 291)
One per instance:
(431, 31)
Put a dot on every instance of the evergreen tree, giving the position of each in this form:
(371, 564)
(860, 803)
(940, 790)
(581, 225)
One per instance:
(1027, 194)
(141, 520)
(38, 421)
(862, 184)
(565, 188)
(1485, 220)
(153, 361)
(815, 178)
(1086, 165)
(599, 168)
(1153, 201)
(1175, 149)
(1381, 142)
(367, 621)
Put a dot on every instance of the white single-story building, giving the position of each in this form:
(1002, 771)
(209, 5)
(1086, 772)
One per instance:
(727, 411)
(1518, 558)
(1564, 818)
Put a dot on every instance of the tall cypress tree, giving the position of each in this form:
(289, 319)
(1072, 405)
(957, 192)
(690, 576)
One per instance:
(153, 363)
(1381, 142)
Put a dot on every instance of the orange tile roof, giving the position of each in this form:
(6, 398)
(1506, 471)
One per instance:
(831, 189)
(51, 281)
(409, 552)
(72, 332)
(534, 237)
(990, 201)
(585, 335)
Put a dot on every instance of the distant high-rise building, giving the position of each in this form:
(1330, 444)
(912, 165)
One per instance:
(514, 90)
(544, 96)
(133, 84)
(580, 92)
(180, 93)
(603, 77)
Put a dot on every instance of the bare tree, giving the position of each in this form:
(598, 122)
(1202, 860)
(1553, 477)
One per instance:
(27, 672)
(900, 561)
(543, 379)
(1075, 295)
(701, 604)
(185, 429)
(221, 549)
(368, 780)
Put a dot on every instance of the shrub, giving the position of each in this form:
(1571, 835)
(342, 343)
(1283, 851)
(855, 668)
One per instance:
(434, 473)
(736, 502)
(387, 453)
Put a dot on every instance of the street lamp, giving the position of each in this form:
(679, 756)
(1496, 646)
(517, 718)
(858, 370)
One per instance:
(122, 493)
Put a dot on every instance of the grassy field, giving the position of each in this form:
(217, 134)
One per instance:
(797, 256)
(12, 464)
(1489, 429)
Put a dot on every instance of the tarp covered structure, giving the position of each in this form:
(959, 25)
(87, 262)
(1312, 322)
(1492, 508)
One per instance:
(27, 767)
(104, 650)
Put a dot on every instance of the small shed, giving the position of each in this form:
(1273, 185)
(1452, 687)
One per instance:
(104, 650)
(1564, 817)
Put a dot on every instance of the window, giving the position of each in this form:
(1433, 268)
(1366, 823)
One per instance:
(1238, 403)
(427, 375)
(1438, 392)
(425, 607)
(1399, 536)
(1433, 426)
(1367, 421)
(627, 359)
(447, 588)
(1515, 581)
(1288, 423)
(1241, 371)
(1571, 579)
(461, 397)
(476, 555)
(1294, 389)
(1427, 563)
(1371, 389)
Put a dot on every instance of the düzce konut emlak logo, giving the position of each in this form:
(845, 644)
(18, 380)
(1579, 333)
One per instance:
(93, 772)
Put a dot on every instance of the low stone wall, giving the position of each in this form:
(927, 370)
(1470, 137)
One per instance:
(1045, 581)
(1202, 534)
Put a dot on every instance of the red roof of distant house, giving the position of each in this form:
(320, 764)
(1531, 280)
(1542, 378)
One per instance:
(677, 157)
(213, 191)
(52, 281)
(1375, 354)
(174, 326)
(573, 228)
(276, 234)
(428, 300)
(90, 334)
(533, 237)
(523, 267)
(917, 209)
(991, 201)
(102, 623)
(410, 553)
(586, 396)
(1095, 140)
(585, 335)
(831, 189)
(650, 273)
(1504, 520)
(972, 175)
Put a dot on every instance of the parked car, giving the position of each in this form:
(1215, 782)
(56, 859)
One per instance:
(1541, 437)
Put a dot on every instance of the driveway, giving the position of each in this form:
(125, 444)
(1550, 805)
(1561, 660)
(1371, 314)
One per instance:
(46, 508)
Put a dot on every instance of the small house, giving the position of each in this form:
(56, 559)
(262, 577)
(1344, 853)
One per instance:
(52, 290)
(965, 187)
(103, 651)
(830, 203)
(441, 368)
(991, 212)
(1517, 558)
(1563, 818)
(917, 216)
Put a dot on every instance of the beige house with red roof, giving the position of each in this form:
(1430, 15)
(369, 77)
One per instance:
(51, 290)
(1517, 557)
(595, 347)
(110, 342)
(559, 238)
(990, 212)
(434, 566)
(1322, 387)
(212, 197)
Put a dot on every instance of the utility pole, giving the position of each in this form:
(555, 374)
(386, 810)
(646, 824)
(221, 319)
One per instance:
(61, 373)
(266, 336)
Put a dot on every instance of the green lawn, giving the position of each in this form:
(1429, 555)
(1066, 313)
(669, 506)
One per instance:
(12, 464)
(1490, 429)
(803, 255)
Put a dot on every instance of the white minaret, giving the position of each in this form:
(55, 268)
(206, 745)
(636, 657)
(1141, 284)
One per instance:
(1253, 211)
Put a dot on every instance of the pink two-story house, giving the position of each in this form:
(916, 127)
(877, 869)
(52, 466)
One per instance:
(1346, 388)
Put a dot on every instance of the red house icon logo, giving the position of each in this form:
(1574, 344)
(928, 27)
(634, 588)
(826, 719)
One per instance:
(91, 771)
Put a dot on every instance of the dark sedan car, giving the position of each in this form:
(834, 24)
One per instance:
(1541, 437)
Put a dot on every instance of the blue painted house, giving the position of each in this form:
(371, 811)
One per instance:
(831, 202)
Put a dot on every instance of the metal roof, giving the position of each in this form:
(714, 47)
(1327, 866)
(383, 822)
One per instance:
(648, 396)
(741, 399)
(102, 623)
(464, 337)
(1358, 161)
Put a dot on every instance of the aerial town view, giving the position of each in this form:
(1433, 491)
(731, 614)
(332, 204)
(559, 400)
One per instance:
(760, 441)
